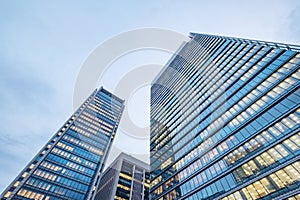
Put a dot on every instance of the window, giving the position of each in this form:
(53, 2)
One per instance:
(268, 186)
(267, 158)
(246, 193)
(253, 192)
(260, 189)
(261, 161)
(276, 180)
(291, 145)
(293, 173)
(7, 194)
(283, 151)
(275, 155)
(284, 177)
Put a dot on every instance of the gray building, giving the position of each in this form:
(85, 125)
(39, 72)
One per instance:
(127, 178)
(69, 166)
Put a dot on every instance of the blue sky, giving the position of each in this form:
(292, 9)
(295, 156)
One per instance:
(43, 45)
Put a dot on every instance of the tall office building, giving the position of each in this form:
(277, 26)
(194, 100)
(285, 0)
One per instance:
(69, 166)
(126, 178)
(225, 116)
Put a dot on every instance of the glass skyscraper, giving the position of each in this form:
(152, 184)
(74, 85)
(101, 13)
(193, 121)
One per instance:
(225, 116)
(70, 165)
(126, 178)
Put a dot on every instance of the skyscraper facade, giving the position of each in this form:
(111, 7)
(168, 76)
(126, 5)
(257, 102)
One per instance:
(225, 116)
(126, 178)
(70, 165)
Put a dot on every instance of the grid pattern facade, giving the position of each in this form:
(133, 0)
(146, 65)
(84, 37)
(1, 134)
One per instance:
(225, 118)
(69, 166)
(125, 179)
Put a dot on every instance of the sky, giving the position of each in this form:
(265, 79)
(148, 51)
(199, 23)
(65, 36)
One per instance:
(44, 44)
